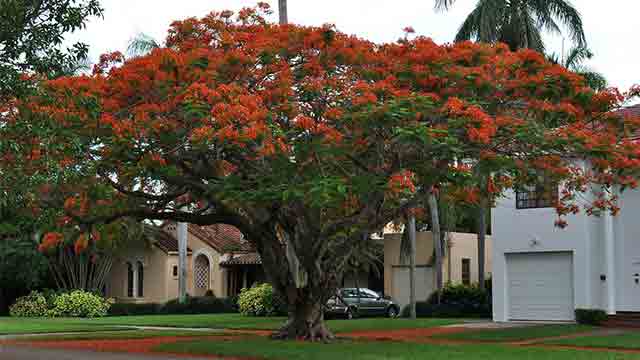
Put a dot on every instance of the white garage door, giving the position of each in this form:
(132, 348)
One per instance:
(401, 289)
(540, 286)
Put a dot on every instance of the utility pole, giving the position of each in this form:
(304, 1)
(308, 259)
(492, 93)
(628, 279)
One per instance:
(182, 262)
(282, 12)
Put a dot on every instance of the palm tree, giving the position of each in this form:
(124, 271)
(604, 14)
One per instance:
(518, 23)
(408, 252)
(574, 62)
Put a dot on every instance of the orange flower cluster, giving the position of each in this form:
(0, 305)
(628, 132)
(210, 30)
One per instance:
(241, 107)
(50, 240)
(81, 244)
(402, 182)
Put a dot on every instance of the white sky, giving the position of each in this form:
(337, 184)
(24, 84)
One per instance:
(611, 29)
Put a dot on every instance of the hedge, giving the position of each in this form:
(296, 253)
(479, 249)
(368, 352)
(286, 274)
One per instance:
(590, 316)
(456, 301)
(193, 305)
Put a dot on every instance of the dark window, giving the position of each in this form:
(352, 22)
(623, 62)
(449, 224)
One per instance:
(140, 280)
(175, 271)
(129, 280)
(466, 271)
(539, 196)
(350, 293)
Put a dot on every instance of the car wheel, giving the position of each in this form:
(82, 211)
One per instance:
(392, 312)
(349, 314)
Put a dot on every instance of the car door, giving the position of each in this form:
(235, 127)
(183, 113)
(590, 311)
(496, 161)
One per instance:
(370, 302)
(351, 298)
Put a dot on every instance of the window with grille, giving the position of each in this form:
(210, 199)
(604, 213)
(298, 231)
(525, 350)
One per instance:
(466, 271)
(201, 272)
(539, 196)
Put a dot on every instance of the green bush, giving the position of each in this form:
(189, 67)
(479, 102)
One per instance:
(124, 309)
(198, 305)
(260, 300)
(590, 316)
(79, 303)
(32, 305)
(456, 300)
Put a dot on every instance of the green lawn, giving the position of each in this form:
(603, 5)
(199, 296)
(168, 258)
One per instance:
(278, 350)
(126, 334)
(519, 333)
(15, 326)
(630, 340)
(216, 321)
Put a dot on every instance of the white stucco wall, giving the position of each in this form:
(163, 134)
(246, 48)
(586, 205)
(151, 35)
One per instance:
(533, 230)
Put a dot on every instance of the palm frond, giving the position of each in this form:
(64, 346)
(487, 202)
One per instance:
(443, 5)
(570, 17)
(576, 56)
(594, 79)
(530, 35)
(544, 17)
(141, 44)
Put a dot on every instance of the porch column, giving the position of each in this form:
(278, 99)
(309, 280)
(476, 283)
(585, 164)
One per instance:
(610, 252)
(244, 279)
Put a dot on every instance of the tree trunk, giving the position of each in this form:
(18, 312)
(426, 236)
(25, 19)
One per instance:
(306, 321)
(182, 262)
(3, 303)
(412, 266)
(305, 301)
(437, 240)
(282, 12)
(482, 232)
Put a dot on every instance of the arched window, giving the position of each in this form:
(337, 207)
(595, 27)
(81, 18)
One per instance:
(140, 279)
(201, 274)
(129, 280)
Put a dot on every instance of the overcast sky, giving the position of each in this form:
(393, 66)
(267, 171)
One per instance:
(611, 26)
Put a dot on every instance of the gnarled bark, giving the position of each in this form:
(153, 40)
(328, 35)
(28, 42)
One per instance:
(306, 321)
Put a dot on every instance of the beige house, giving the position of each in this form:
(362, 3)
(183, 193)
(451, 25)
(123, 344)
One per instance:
(219, 259)
(460, 264)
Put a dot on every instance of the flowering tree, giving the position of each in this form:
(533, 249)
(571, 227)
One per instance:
(307, 139)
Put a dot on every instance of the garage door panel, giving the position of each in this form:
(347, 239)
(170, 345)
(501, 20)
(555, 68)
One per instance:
(540, 286)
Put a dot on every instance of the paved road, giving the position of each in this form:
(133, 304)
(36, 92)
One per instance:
(28, 353)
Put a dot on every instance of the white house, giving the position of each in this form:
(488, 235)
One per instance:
(541, 272)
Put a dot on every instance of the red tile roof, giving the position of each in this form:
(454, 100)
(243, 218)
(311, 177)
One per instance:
(222, 237)
(243, 259)
(163, 240)
(633, 110)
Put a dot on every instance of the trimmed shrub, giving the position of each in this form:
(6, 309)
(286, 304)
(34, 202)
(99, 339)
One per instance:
(32, 305)
(79, 303)
(124, 309)
(260, 300)
(197, 305)
(590, 316)
(456, 301)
